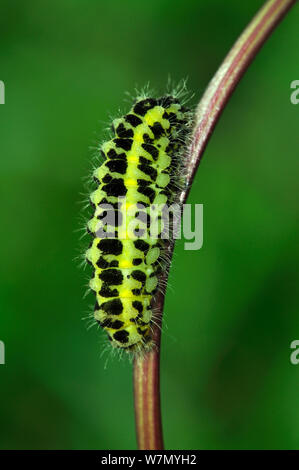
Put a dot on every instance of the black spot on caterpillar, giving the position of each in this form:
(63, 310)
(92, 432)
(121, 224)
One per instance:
(143, 164)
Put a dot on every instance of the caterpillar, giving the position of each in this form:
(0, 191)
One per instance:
(141, 171)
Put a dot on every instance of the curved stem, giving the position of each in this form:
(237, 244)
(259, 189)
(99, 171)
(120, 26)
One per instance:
(147, 399)
(209, 109)
(228, 76)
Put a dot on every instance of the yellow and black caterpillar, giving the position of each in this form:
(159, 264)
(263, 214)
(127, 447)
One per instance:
(141, 169)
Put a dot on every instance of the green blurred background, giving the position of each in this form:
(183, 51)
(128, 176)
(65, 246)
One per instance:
(232, 307)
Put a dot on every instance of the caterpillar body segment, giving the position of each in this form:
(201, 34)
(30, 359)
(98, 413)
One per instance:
(141, 171)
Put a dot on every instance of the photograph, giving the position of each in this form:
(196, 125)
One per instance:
(149, 301)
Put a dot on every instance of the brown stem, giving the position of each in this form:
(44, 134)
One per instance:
(209, 109)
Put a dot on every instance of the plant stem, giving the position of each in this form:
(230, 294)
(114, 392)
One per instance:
(209, 109)
(147, 399)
